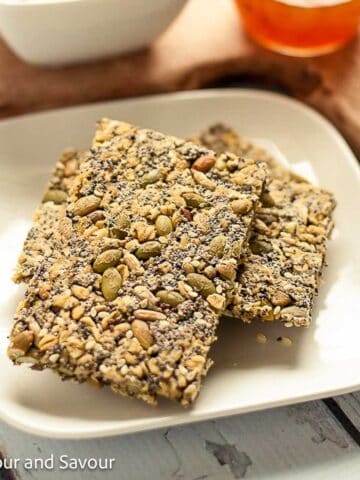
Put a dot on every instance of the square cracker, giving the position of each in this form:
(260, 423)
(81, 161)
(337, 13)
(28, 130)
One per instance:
(142, 265)
(281, 272)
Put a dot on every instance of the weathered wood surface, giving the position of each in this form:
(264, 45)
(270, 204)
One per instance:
(350, 405)
(304, 442)
(204, 44)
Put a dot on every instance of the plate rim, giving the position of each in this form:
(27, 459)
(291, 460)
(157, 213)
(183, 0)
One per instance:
(166, 422)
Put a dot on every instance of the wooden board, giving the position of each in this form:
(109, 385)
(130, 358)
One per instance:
(204, 44)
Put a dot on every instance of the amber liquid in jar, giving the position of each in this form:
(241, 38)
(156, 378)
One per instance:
(301, 27)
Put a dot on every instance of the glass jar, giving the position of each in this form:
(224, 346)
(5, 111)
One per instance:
(301, 27)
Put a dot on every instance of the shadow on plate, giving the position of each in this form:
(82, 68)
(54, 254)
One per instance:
(43, 393)
(237, 346)
(8, 306)
(334, 257)
(236, 349)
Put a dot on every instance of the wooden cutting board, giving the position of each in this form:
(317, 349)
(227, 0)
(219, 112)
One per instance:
(205, 44)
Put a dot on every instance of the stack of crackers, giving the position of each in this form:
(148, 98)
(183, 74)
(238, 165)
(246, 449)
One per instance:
(143, 242)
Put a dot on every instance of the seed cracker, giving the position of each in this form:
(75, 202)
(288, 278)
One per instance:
(38, 242)
(281, 271)
(149, 250)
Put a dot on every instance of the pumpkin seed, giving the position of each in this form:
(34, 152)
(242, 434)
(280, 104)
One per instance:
(259, 246)
(217, 246)
(148, 250)
(121, 226)
(209, 271)
(56, 196)
(107, 259)
(170, 297)
(110, 284)
(86, 205)
(192, 199)
(151, 177)
(163, 225)
(201, 284)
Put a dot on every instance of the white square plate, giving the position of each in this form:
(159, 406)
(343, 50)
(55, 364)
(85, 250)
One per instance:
(323, 360)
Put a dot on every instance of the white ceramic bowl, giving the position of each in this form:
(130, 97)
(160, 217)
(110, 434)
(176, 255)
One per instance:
(55, 32)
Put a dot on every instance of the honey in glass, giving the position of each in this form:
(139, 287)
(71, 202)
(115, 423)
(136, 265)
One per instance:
(301, 27)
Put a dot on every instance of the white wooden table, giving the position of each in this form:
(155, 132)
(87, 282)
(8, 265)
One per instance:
(315, 440)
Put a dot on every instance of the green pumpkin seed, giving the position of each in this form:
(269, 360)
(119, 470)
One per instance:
(148, 250)
(56, 196)
(107, 259)
(193, 200)
(170, 297)
(201, 284)
(217, 246)
(121, 226)
(151, 177)
(110, 284)
(163, 225)
(259, 246)
(86, 205)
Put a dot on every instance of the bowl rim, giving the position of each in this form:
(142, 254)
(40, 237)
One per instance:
(39, 3)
